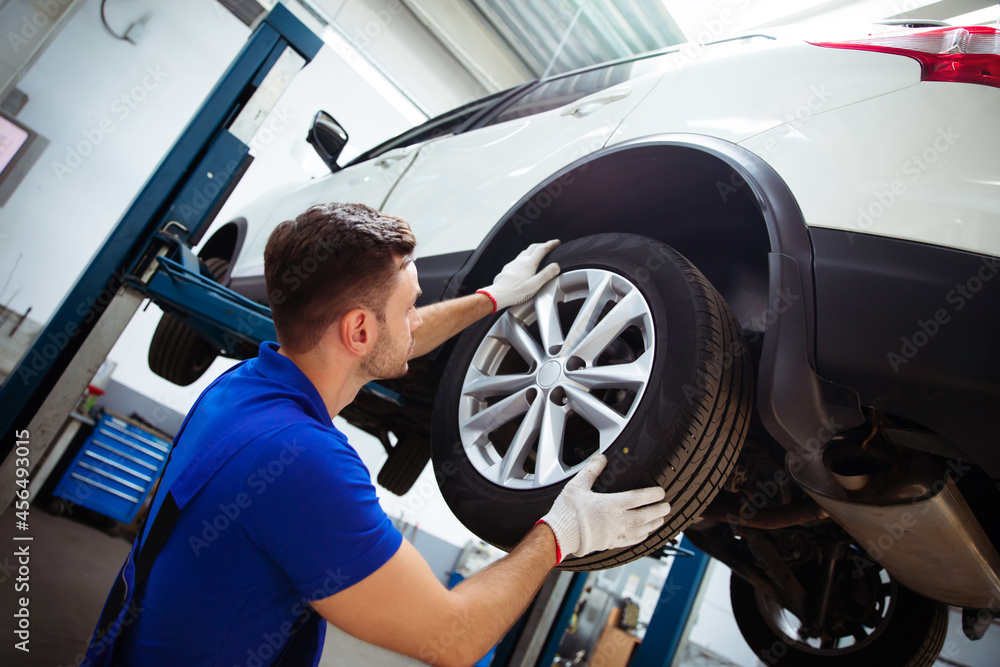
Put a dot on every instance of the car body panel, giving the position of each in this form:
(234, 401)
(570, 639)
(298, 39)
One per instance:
(366, 183)
(460, 185)
(802, 138)
(802, 81)
(931, 176)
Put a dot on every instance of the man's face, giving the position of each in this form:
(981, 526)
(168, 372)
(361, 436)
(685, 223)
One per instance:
(394, 341)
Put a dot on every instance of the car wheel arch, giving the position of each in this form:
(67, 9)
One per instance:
(225, 243)
(717, 191)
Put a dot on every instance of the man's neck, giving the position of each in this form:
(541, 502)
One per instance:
(336, 380)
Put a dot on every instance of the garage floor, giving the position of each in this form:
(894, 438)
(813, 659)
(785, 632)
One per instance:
(72, 568)
(73, 565)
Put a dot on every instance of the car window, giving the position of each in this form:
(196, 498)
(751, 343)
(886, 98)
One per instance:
(561, 91)
(447, 123)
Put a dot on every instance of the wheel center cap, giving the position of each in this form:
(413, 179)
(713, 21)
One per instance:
(549, 373)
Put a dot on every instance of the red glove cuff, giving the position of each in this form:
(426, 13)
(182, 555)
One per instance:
(482, 291)
(559, 556)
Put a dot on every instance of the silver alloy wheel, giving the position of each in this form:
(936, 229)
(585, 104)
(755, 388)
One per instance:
(790, 628)
(526, 369)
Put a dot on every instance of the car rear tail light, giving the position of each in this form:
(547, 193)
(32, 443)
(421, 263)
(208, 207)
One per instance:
(970, 54)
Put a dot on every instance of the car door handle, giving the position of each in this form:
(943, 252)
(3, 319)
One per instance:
(592, 103)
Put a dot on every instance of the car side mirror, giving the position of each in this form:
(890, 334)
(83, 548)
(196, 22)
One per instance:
(328, 138)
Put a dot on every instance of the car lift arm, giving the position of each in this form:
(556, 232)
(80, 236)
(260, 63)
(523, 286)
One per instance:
(180, 200)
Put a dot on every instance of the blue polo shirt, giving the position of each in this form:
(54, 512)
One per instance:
(277, 510)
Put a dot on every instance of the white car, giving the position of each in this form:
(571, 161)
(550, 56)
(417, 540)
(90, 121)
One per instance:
(778, 300)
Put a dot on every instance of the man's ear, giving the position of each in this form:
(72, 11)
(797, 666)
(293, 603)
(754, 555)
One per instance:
(357, 331)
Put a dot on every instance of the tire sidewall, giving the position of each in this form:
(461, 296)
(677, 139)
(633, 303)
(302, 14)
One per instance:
(502, 516)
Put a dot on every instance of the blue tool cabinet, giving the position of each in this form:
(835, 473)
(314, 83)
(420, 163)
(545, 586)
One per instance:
(116, 468)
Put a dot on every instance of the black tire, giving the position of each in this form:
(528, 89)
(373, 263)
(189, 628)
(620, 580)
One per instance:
(684, 435)
(911, 633)
(405, 463)
(176, 352)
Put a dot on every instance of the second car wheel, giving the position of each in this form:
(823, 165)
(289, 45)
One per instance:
(870, 620)
(176, 352)
(630, 351)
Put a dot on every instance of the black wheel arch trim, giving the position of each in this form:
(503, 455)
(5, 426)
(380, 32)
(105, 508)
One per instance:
(226, 242)
(797, 406)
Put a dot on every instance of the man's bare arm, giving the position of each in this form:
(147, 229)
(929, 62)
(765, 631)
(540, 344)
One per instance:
(519, 280)
(404, 608)
(445, 319)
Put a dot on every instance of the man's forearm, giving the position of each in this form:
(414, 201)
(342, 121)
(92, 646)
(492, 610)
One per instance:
(488, 603)
(445, 319)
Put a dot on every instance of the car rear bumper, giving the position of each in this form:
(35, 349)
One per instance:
(912, 328)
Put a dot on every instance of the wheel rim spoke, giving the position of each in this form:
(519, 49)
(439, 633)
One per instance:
(631, 375)
(622, 316)
(608, 422)
(549, 327)
(589, 311)
(520, 445)
(487, 386)
(495, 416)
(548, 463)
(786, 625)
(519, 339)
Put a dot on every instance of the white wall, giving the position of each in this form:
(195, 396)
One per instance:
(714, 626)
(104, 146)
(390, 33)
(59, 218)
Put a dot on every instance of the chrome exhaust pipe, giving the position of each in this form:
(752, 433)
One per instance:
(904, 508)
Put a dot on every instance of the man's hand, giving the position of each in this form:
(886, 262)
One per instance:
(520, 279)
(584, 521)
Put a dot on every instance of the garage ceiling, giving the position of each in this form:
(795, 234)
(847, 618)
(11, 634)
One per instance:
(552, 36)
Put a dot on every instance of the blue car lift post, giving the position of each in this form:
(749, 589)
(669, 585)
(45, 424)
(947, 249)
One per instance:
(148, 253)
(535, 638)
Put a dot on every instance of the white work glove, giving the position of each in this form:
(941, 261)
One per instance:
(584, 521)
(520, 279)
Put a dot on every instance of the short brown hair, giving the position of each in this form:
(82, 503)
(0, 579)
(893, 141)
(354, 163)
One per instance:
(329, 260)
